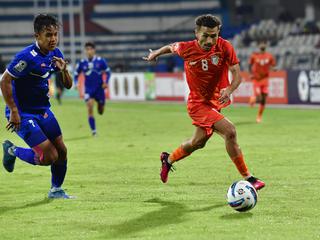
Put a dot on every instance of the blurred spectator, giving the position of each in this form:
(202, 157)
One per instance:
(170, 64)
(2, 65)
(297, 28)
(285, 16)
(311, 27)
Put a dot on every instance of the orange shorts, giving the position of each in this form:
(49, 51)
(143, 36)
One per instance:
(260, 87)
(204, 115)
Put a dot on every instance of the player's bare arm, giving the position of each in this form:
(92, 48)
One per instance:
(104, 85)
(154, 54)
(6, 88)
(236, 80)
(66, 77)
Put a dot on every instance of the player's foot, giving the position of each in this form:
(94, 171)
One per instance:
(259, 119)
(252, 101)
(94, 133)
(165, 167)
(256, 182)
(9, 158)
(58, 193)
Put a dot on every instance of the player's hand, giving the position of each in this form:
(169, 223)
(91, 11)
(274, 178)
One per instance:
(224, 95)
(152, 57)
(104, 85)
(60, 63)
(14, 121)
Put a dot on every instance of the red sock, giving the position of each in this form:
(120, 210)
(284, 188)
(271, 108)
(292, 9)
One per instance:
(178, 154)
(241, 165)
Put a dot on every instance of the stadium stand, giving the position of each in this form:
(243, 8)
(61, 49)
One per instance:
(294, 44)
(124, 30)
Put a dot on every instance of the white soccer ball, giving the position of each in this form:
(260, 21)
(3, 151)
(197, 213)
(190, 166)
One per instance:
(242, 196)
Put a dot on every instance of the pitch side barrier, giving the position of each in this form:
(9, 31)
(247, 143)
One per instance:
(285, 87)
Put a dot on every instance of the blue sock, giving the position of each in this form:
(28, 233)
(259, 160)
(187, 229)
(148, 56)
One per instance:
(58, 172)
(92, 124)
(26, 154)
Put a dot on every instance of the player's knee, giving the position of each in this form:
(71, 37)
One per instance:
(100, 108)
(100, 111)
(53, 156)
(62, 154)
(231, 134)
(50, 156)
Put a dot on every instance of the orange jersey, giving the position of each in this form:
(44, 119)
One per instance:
(206, 71)
(261, 64)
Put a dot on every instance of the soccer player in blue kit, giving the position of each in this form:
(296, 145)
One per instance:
(93, 68)
(25, 90)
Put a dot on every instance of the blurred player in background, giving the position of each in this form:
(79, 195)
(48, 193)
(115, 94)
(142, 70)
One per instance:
(93, 68)
(260, 65)
(207, 60)
(59, 82)
(25, 90)
(59, 86)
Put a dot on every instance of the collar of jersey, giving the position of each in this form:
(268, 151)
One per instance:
(37, 48)
(94, 58)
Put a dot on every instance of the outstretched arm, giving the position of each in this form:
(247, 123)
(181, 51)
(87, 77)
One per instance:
(236, 80)
(66, 77)
(6, 88)
(153, 55)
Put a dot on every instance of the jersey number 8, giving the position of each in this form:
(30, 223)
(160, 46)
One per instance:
(204, 63)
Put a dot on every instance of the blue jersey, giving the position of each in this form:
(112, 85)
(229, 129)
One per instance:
(93, 70)
(31, 70)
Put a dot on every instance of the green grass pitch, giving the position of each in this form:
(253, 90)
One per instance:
(115, 177)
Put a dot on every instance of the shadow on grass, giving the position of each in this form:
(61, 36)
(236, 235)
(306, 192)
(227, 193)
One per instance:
(76, 138)
(236, 216)
(28, 205)
(169, 213)
(245, 123)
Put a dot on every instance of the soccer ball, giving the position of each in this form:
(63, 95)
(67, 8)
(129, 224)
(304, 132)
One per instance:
(242, 196)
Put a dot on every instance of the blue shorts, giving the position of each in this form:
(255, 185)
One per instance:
(36, 128)
(97, 95)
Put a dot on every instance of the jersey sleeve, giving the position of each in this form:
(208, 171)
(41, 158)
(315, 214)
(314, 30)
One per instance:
(21, 65)
(178, 48)
(231, 56)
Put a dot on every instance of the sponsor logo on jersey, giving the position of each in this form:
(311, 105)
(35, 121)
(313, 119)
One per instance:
(20, 66)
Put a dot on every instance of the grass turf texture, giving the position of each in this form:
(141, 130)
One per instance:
(115, 177)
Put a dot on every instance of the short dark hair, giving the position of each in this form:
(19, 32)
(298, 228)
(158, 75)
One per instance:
(43, 21)
(90, 44)
(207, 20)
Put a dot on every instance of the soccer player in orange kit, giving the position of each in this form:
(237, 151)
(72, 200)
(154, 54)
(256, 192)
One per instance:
(260, 65)
(207, 60)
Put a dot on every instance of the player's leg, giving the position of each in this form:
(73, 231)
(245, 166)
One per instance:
(91, 119)
(263, 99)
(253, 98)
(100, 99)
(203, 116)
(58, 170)
(59, 95)
(227, 130)
(198, 140)
(51, 128)
(41, 151)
